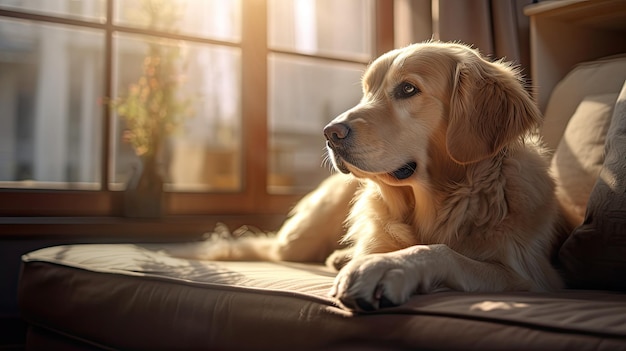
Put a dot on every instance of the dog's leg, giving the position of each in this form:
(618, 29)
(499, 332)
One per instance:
(311, 233)
(382, 280)
(316, 224)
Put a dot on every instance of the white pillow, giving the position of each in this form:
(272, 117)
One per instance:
(597, 77)
(579, 157)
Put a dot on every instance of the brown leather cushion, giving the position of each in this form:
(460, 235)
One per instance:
(136, 297)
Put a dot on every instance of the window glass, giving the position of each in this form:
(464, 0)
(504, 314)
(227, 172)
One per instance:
(305, 94)
(59, 78)
(203, 150)
(326, 27)
(50, 105)
(93, 10)
(215, 19)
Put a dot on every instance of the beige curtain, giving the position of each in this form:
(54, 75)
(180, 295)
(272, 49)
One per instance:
(498, 28)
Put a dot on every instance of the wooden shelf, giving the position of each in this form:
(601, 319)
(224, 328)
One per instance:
(600, 14)
(564, 33)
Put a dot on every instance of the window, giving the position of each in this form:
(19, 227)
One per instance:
(258, 80)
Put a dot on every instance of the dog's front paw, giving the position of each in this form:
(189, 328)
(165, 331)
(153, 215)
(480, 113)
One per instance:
(374, 281)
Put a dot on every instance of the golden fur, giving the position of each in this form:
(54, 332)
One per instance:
(442, 186)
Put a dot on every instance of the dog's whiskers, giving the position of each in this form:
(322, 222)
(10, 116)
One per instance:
(326, 162)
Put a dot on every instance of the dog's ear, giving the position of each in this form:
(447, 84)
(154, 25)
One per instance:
(489, 108)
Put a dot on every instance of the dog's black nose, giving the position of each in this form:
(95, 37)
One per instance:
(335, 132)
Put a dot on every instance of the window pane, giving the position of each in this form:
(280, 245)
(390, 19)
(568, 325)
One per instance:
(305, 94)
(215, 19)
(50, 116)
(203, 151)
(93, 10)
(328, 27)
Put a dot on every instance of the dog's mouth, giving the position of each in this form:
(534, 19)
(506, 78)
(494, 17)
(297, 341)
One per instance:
(341, 166)
(401, 173)
(344, 165)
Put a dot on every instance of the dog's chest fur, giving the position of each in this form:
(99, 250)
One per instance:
(473, 210)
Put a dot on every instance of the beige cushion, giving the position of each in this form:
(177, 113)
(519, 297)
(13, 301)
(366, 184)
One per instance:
(590, 78)
(580, 154)
(594, 256)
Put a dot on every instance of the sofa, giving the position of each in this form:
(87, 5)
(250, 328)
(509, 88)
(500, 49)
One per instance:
(137, 297)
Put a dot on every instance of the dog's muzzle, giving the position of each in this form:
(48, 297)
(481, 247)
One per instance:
(338, 135)
(335, 134)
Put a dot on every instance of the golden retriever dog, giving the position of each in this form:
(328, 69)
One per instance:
(441, 186)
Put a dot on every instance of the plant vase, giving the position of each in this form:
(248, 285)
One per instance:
(144, 196)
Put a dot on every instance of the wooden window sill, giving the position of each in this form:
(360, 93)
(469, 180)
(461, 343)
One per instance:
(176, 228)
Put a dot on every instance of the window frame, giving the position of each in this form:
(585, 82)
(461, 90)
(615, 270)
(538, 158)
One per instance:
(253, 199)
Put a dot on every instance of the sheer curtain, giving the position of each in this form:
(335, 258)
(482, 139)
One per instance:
(498, 28)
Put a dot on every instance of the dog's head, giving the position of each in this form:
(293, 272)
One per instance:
(425, 103)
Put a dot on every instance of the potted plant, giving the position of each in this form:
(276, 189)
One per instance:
(152, 111)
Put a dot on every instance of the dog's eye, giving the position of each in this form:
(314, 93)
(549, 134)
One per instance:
(405, 90)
